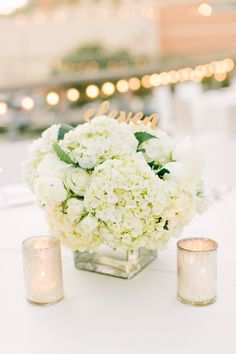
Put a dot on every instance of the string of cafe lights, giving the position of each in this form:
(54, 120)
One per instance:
(217, 69)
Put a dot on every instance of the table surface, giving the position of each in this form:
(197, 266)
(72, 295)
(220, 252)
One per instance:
(106, 315)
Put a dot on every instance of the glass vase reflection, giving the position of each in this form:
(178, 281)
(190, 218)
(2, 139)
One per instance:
(115, 262)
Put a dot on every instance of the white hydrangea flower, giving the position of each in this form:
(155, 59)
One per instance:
(180, 210)
(37, 151)
(63, 226)
(129, 200)
(59, 221)
(98, 140)
(120, 201)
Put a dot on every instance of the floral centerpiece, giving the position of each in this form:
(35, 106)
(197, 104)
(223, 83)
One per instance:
(123, 186)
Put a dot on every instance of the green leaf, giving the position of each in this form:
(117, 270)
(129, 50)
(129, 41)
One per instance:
(162, 172)
(83, 216)
(143, 136)
(165, 227)
(159, 169)
(200, 194)
(64, 128)
(62, 155)
(154, 166)
(140, 150)
(64, 207)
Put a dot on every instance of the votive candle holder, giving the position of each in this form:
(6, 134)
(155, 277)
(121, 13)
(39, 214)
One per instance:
(42, 269)
(197, 271)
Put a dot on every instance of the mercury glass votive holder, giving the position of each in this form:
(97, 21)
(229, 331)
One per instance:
(42, 269)
(197, 271)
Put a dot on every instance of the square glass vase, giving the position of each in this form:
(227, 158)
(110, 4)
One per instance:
(115, 262)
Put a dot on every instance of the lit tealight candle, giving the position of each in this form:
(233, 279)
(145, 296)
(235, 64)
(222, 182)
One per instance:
(197, 266)
(42, 269)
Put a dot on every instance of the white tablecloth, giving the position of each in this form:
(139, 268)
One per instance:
(105, 315)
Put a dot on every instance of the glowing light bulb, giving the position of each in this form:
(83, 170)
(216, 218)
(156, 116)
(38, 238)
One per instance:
(197, 73)
(108, 88)
(189, 72)
(183, 75)
(212, 66)
(174, 76)
(219, 68)
(220, 76)
(205, 9)
(228, 64)
(134, 84)
(208, 70)
(122, 86)
(3, 108)
(52, 98)
(146, 81)
(27, 103)
(196, 77)
(155, 80)
(165, 78)
(73, 94)
(201, 70)
(92, 91)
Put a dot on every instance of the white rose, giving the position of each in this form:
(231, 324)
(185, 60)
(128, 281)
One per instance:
(49, 188)
(187, 152)
(159, 149)
(77, 180)
(183, 174)
(52, 166)
(75, 209)
(88, 225)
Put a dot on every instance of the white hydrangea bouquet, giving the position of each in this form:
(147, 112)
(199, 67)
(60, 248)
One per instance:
(123, 185)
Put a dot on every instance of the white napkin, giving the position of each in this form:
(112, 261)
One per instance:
(15, 195)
